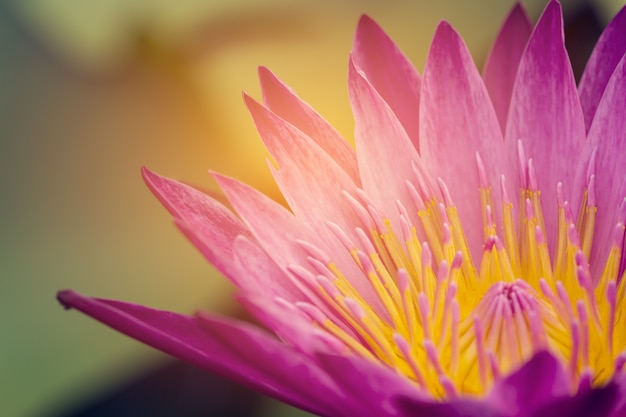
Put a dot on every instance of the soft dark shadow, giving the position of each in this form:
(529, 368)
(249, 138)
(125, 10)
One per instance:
(173, 389)
(582, 30)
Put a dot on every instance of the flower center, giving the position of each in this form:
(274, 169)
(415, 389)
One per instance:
(509, 326)
(453, 329)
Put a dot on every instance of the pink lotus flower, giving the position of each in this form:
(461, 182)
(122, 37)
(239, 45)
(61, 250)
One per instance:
(410, 277)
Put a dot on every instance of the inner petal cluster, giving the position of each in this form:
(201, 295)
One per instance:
(453, 328)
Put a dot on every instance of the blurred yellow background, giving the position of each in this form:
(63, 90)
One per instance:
(90, 92)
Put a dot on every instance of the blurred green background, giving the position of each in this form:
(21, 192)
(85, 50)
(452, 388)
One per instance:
(90, 92)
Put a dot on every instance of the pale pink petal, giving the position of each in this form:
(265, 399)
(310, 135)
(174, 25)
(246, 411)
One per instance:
(292, 326)
(210, 225)
(457, 120)
(390, 73)
(278, 231)
(312, 184)
(383, 149)
(265, 282)
(545, 113)
(502, 62)
(259, 273)
(232, 349)
(608, 139)
(284, 102)
(610, 48)
(274, 226)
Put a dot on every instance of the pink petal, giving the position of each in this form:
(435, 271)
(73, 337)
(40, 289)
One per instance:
(545, 112)
(312, 181)
(384, 150)
(502, 62)
(283, 101)
(607, 138)
(312, 184)
(278, 231)
(235, 350)
(292, 326)
(210, 225)
(264, 280)
(390, 73)
(456, 121)
(607, 53)
(275, 227)
(260, 275)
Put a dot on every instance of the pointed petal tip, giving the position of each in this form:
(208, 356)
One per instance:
(250, 102)
(222, 179)
(519, 12)
(444, 25)
(355, 73)
(353, 68)
(553, 6)
(517, 7)
(551, 18)
(66, 298)
(366, 24)
(445, 32)
(365, 19)
(262, 70)
(147, 174)
(267, 78)
(154, 181)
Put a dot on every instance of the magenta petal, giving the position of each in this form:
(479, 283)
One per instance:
(372, 386)
(456, 121)
(274, 368)
(537, 383)
(292, 326)
(620, 405)
(235, 350)
(461, 407)
(390, 73)
(608, 51)
(502, 62)
(606, 137)
(210, 225)
(545, 113)
(598, 402)
(283, 101)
